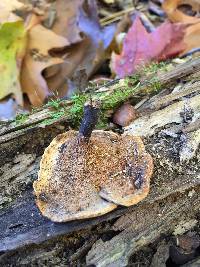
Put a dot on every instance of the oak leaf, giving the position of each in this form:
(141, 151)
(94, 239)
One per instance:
(140, 46)
(41, 42)
(192, 37)
(192, 33)
(67, 24)
(79, 23)
(176, 15)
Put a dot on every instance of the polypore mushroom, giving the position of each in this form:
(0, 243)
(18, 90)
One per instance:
(88, 173)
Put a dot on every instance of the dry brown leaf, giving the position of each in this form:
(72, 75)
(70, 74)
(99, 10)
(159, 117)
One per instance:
(175, 15)
(192, 37)
(6, 9)
(192, 33)
(37, 58)
(66, 23)
(92, 41)
(60, 73)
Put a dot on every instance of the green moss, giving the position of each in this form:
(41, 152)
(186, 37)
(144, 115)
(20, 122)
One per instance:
(58, 114)
(154, 85)
(49, 121)
(102, 122)
(118, 97)
(109, 100)
(21, 118)
(76, 110)
(132, 80)
(56, 104)
(154, 67)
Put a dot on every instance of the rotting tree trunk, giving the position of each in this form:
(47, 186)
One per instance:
(28, 239)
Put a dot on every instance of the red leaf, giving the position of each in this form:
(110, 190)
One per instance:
(177, 43)
(140, 47)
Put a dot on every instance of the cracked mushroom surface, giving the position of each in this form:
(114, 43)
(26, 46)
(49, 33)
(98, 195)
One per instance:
(87, 177)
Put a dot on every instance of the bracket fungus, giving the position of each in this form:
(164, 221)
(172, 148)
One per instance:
(88, 173)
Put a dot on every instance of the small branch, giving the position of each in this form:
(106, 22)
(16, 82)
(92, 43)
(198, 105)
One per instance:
(90, 119)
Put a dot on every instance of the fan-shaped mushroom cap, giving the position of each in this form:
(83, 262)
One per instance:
(80, 180)
(132, 182)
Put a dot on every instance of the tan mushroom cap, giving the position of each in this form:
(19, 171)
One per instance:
(80, 180)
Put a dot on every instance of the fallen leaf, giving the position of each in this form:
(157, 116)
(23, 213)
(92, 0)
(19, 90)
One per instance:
(177, 43)
(140, 47)
(41, 41)
(175, 15)
(6, 10)
(92, 41)
(64, 72)
(192, 32)
(192, 37)
(88, 23)
(66, 23)
(12, 47)
(11, 5)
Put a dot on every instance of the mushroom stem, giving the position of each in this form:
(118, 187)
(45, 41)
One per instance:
(90, 119)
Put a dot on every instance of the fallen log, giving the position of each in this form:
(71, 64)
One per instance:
(169, 125)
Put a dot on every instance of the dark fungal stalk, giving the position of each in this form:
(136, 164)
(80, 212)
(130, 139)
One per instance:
(90, 119)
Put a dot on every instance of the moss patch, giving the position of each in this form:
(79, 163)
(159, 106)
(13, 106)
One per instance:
(110, 99)
(21, 118)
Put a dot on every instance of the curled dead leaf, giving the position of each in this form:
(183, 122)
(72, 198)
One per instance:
(175, 15)
(192, 37)
(89, 41)
(67, 22)
(192, 32)
(41, 41)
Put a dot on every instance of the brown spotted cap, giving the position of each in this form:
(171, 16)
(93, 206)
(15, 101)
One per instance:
(79, 180)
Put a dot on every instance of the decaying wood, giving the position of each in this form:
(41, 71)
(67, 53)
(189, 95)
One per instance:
(26, 237)
(195, 263)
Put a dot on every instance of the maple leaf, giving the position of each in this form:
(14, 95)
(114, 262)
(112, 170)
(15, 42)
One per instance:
(177, 43)
(140, 47)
